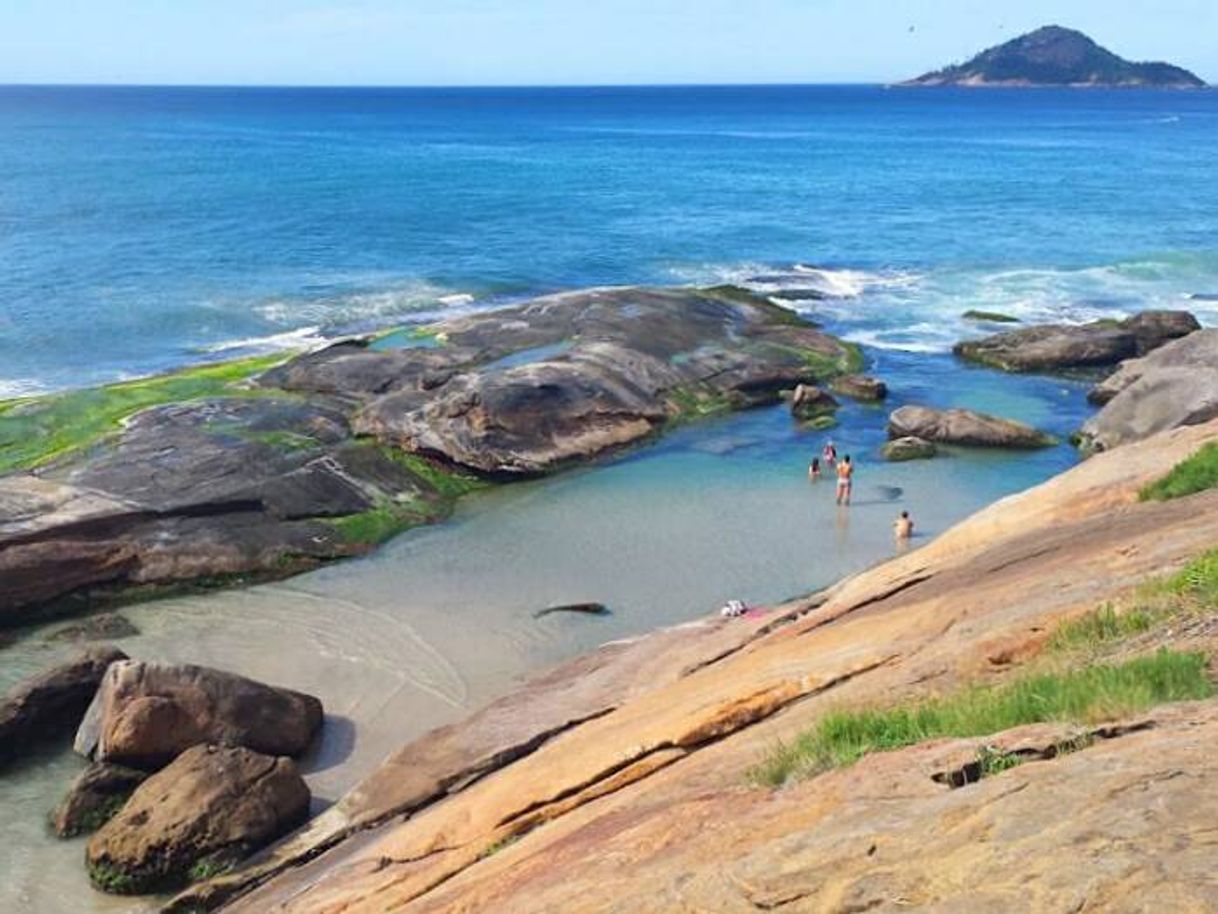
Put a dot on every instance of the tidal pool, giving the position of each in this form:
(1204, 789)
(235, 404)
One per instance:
(441, 620)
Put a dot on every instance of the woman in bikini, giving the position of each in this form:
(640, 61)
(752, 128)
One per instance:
(845, 480)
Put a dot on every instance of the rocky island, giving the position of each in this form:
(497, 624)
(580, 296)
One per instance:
(1056, 56)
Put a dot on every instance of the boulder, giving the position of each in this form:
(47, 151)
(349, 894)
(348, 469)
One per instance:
(50, 704)
(1063, 347)
(1173, 386)
(909, 448)
(209, 809)
(963, 427)
(810, 402)
(145, 714)
(860, 387)
(94, 797)
(1153, 329)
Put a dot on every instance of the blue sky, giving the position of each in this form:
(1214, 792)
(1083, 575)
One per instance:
(533, 42)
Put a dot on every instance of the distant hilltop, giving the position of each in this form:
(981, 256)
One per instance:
(1056, 56)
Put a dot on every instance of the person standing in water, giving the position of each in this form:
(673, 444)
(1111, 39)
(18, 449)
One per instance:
(814, 469)
(903, 526)
(845, 480)
(830, 454)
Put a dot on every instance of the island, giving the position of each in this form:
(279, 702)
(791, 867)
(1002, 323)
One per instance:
(1056, 56)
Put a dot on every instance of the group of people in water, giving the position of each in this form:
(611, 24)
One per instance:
(844, 468)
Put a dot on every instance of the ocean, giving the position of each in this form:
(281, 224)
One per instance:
(145, 228)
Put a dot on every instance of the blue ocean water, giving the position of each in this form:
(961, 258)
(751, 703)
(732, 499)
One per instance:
(141, 228)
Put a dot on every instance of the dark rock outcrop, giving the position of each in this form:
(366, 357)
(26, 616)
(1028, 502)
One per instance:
(50, 704)
(860, 387)
(209, 809)
(963, 427)
(908, 448)
(1064, 347)
(1056, 56)
(1173, 386)
(94, 797)
(811, 402)
(145, 714)
(304, 463)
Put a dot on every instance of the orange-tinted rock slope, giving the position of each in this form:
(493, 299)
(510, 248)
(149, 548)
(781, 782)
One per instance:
(619, 782)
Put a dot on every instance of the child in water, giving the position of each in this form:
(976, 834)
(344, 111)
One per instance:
(903, 526)
(830, 454)
(814, 469)
(845, 480)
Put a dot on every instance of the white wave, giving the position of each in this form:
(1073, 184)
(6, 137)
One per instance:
(352, 308)
(12, 388)
(305, 337)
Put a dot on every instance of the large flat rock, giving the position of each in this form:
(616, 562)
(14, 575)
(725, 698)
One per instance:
(1065, 347)
(647, 806)
(306, 462)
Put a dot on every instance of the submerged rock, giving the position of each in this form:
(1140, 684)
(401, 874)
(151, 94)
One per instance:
(1060, 347)
(963, 427)
(102, 627)
(908, 448)
(1173, 386)
(50, 704)
(145, 714)
(208, 810)
(94, 797)
(586, 609)
(860, 387)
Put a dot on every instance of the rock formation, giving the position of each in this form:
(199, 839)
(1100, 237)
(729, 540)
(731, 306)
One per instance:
(146, 714)
(212, 807)
(963, 427)
(51, 704)
(1063, 347)
(332, 452)
(1173, 386)
(620, 781)
(94, 797)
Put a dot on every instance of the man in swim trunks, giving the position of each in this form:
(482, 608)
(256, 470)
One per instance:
(845, 480)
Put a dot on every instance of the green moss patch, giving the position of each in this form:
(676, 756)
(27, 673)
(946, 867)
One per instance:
(1195, 474)
(699, 402)
(37, 430)
(1093, 693)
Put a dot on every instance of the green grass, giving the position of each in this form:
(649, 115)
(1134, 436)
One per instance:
(1195, 474)
(1197, 582)
(37, 430)
(1093, 693)
(1102, 626)
(994, 317)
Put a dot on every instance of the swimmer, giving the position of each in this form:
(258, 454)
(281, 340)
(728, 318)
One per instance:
(845, 480)
(814, 469)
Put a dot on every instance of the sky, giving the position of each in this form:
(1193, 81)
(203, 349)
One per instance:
(559, 42)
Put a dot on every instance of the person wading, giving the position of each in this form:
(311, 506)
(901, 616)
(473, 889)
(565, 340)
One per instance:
(845, 480)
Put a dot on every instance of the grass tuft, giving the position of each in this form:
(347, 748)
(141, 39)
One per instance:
(1102, 626)
(1094, 693)
(1195, 474)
